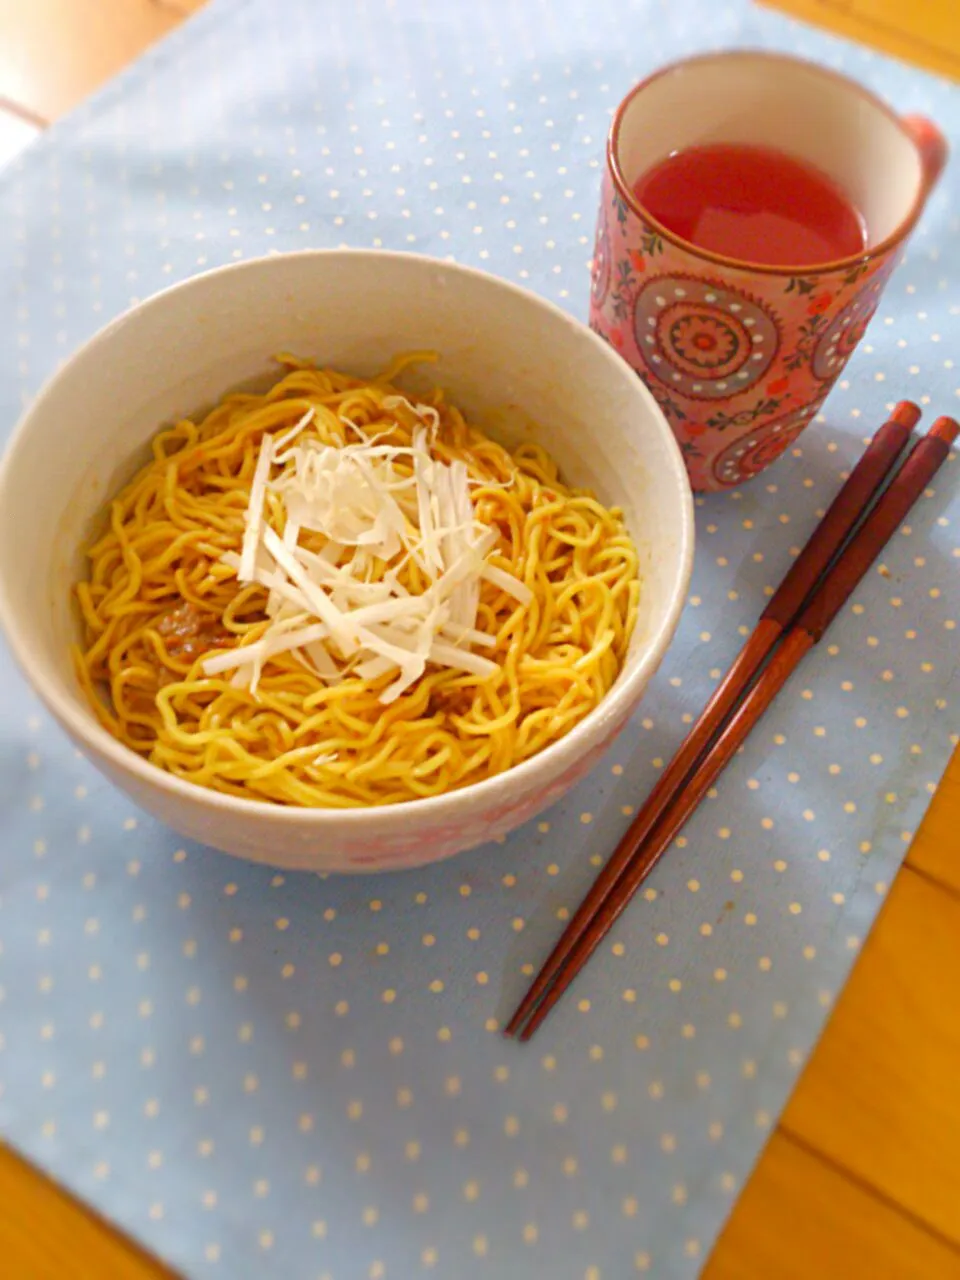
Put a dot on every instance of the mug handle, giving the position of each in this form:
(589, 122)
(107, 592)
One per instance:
(932, 146)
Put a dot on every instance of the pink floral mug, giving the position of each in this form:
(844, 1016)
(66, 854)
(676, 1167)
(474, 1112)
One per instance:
(740, 356)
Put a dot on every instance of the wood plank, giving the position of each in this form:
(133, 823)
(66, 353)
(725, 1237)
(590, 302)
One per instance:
(926, 32)
(56, 52)
(800, 1219)
(15, 134)
(45, 1235)
(936, 848)
(879, 1097)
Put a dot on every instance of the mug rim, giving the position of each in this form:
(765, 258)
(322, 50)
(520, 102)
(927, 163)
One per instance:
(900, 232)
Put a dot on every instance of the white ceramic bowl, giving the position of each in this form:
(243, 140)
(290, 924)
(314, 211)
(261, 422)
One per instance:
(513, 362)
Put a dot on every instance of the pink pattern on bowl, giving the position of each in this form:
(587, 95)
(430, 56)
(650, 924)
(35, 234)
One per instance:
(498, 346)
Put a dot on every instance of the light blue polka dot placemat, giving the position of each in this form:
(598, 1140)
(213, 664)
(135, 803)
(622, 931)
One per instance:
(265, 1075)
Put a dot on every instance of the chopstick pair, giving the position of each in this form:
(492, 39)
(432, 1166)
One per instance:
(831, 564)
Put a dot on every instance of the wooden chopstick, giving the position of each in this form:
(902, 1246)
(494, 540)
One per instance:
(821, 608)
(823, 545)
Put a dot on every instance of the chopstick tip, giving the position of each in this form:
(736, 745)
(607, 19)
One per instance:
(516, 1022)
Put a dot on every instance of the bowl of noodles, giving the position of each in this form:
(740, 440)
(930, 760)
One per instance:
(343, 560)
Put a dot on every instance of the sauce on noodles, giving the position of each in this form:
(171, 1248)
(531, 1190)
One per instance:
(162, 598)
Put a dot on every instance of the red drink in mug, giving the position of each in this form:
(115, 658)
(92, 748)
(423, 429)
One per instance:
(753, 207)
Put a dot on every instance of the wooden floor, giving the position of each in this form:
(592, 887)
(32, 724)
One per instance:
(861, 1180)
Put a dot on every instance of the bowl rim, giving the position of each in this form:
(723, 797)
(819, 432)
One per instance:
(81, 723)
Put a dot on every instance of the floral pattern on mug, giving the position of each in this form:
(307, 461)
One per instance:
(739, 360)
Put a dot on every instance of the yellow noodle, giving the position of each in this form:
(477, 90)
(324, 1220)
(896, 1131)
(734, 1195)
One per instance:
(298, 740)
